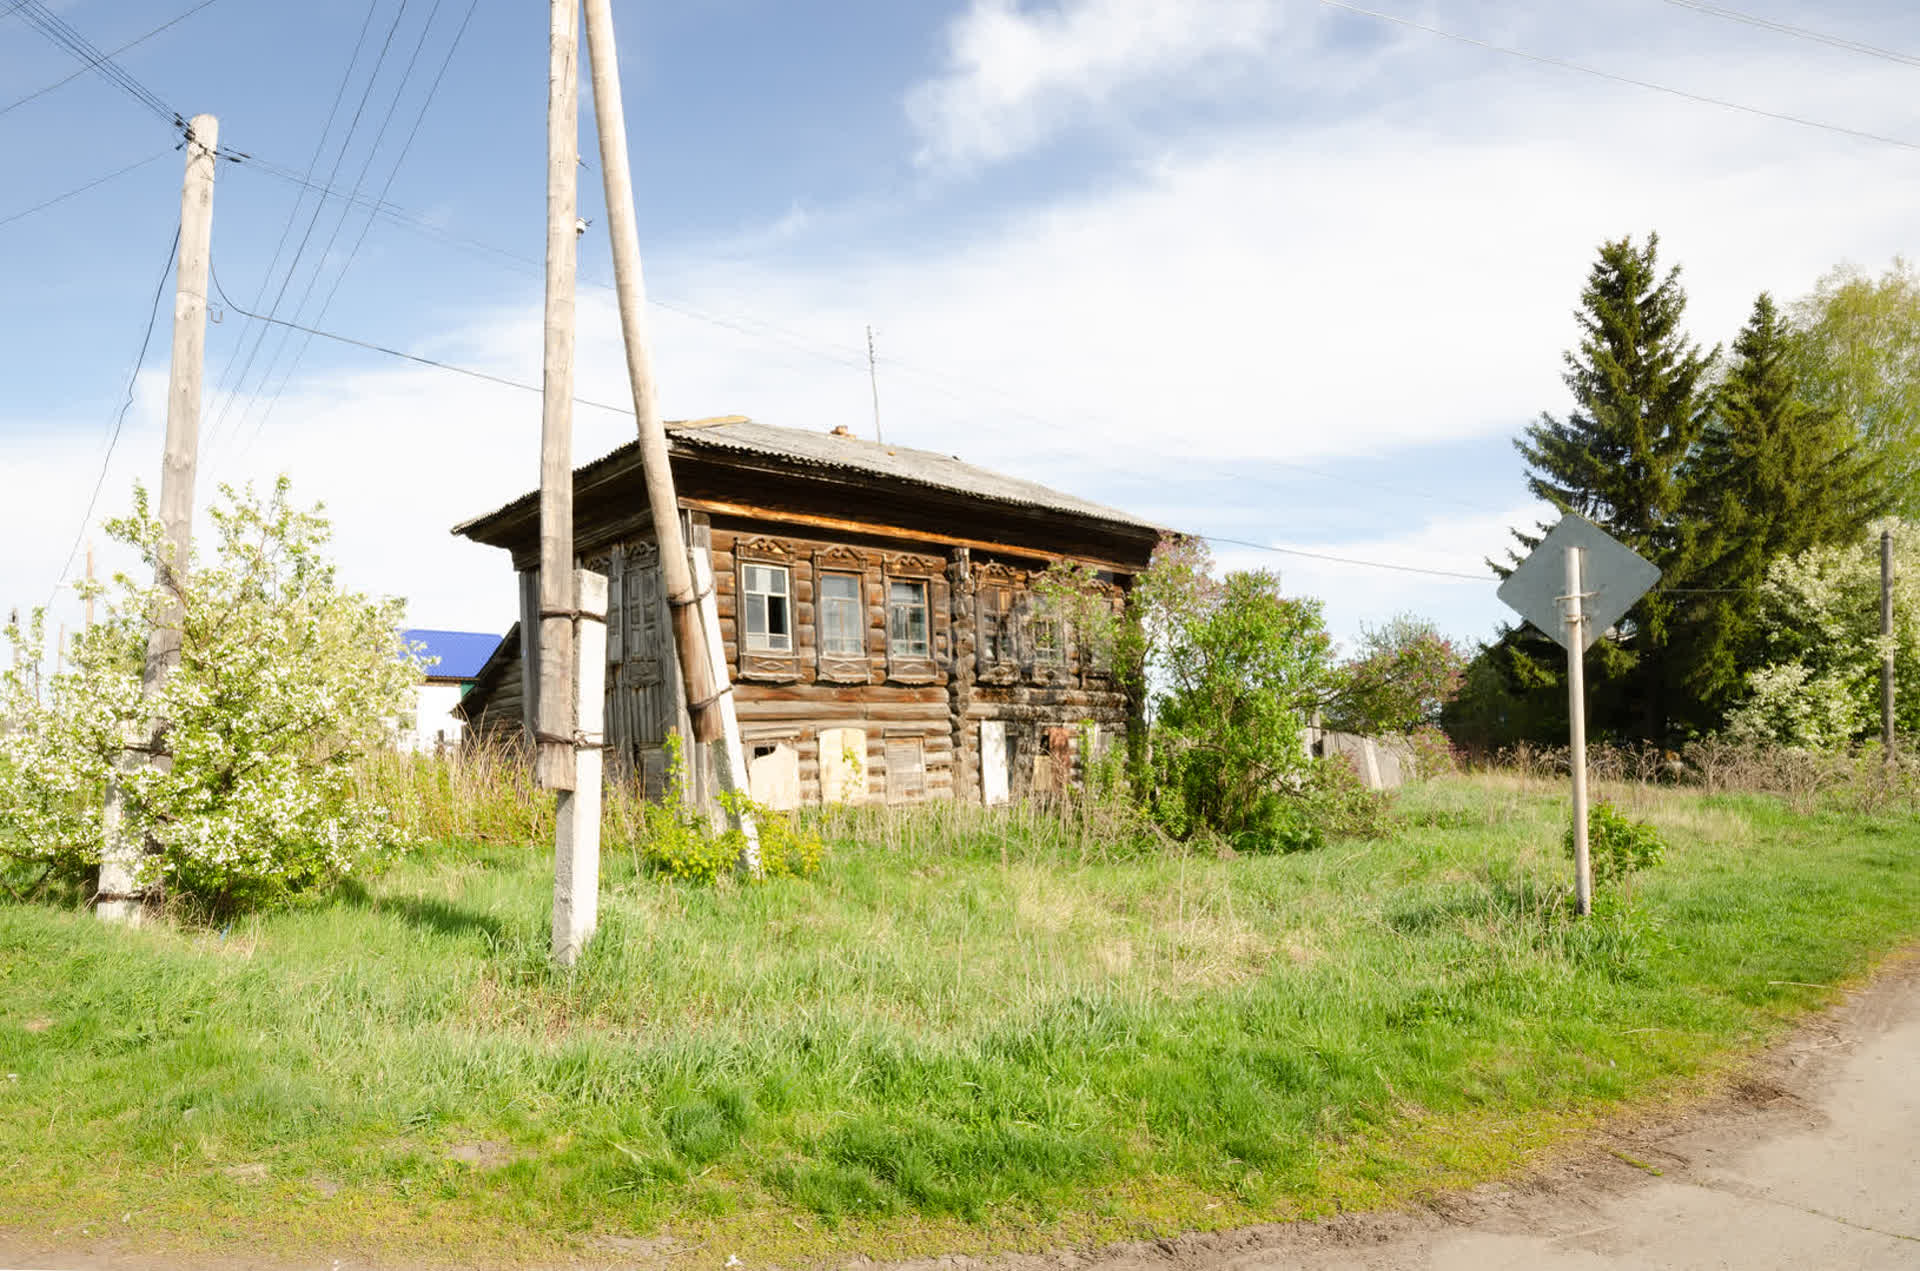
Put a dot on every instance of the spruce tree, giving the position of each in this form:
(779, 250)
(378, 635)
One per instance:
(1772, 476)
(1619, 458)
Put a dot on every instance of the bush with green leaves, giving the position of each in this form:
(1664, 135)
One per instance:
(285, 680)
(680, 841)
(1617, 847)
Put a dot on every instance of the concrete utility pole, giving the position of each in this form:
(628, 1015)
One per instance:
(576, 842)
(1577, 727)
(696, 619)
(873, 382)
(117, 900)
(553, 733)
(87, 604)
(1886, 635)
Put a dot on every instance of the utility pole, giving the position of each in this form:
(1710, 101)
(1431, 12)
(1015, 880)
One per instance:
(1886, 638)
(87, 604)
(687, 581)
(873, 382)
(118, 901)
(553, 732)
(1577, 726)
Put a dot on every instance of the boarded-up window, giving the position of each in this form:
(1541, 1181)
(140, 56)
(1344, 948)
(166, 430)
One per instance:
(993, 762)
(906, 769)
(842, 616)
(843, 765)
(773, 775)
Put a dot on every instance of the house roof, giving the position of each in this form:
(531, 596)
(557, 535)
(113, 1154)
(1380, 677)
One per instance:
(461, 653)
(835, 452)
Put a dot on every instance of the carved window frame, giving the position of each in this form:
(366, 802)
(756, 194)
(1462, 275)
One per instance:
(924, 572)
(777, 666)
(990, 581)
(843, 668)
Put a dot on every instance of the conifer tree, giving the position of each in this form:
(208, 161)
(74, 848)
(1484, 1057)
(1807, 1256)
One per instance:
(1773, 476)
(1619, 458)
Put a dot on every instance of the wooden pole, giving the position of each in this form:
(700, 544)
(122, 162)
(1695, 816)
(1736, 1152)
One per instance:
(1577, 728)
(696, 627)
(117, 898)
(576, 857)
(705, 682)
(553, 736)
(1886, 637)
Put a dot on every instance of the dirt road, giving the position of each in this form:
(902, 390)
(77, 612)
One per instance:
(1813, 1161)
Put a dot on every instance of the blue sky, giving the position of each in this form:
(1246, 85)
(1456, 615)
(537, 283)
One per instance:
(1264, 269)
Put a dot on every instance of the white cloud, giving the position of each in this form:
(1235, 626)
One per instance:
(1014, 76)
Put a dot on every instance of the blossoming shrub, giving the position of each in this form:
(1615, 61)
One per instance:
(284, 681)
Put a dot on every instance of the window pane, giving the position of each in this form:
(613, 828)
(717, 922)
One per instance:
(756, 621)
(840, 614)
(907, 619)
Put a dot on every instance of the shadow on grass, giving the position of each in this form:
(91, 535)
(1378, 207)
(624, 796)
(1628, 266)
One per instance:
(425, 912)
(1522, 903)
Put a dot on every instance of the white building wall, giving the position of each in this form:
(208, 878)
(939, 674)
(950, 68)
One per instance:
(433, 719)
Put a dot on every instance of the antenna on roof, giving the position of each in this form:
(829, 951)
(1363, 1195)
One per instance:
(873, 378)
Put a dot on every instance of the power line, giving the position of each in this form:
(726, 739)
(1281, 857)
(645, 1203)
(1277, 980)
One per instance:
(286, 227)
(1563, 64)
(57, 30)
(1798, 32)
(113, 438)
(393, 173)
(82, 189)
(1348, 560)
(140, 39)
(307, 235)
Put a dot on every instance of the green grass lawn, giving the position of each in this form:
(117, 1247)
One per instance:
(962, 1035)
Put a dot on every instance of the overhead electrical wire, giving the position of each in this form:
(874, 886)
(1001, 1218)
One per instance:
(306, 236)
(1543, 60)
(139, 39)
(55, 28)
(393, 173)
(293, 213)
(1798, 32)
(119, 421)
(82, 189)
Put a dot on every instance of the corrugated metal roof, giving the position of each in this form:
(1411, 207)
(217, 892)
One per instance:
(461, 653)
(844, 453)
(903, 463)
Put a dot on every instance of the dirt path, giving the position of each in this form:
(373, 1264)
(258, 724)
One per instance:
(1812, 1160)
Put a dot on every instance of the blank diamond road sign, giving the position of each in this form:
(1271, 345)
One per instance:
(1613, 576)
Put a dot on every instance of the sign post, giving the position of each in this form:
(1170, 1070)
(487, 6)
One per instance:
(1577, 583)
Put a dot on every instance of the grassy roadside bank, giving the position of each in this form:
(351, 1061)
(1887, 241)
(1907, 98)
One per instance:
(966, 1041)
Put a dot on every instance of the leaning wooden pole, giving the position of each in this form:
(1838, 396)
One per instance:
(553, 723)
(710, 706)
(119, 898)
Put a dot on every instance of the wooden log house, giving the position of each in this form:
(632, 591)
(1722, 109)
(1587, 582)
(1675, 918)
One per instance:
(876, 606)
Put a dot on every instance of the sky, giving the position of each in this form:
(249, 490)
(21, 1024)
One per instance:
(1278, 272)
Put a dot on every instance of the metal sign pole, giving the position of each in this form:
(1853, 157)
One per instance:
(1577, 727)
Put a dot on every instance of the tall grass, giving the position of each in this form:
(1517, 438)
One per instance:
(974, 1029)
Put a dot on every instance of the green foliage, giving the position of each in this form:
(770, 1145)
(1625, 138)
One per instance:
(1617, 847)
(285, 682)
(1773, 476)
(1243, 668)
(1857, 353)
(1620, 458)
(680, 841)
(1401, 678)
(1818, 681)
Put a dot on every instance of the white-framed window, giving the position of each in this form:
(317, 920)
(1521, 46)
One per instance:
(907, 620)
(842, 616)
(766, 592)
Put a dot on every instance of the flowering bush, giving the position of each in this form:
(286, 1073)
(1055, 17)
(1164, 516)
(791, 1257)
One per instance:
(284, 681)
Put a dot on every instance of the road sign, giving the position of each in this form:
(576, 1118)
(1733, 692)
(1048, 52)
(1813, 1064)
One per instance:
(1612, 578)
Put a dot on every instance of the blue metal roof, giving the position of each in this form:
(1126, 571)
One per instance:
(461, 653)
